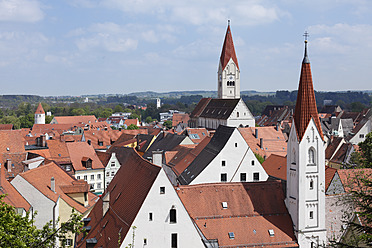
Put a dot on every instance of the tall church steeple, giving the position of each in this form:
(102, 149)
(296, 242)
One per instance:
(305, 198)
(228, 69)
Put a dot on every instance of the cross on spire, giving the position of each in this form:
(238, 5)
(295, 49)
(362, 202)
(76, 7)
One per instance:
(306, 34)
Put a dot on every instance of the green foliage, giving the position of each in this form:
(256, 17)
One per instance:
(135, 116)
(11, 120)
(132, 127)
(168, 124)
(48, 119)
(259, 158)
(118, 108)
(133, 236)
(148, 119)
(20, 231)
(27, 121)
(363, 157)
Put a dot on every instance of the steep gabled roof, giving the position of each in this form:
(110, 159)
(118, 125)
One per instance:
(40, 178)
(13, 197)
(164, 144)
(228, 50)
(276, 166)
(39, 110)
(210, 151)
(200, 107)
(80, 150)
(11, 141)
(251, 210)
(128, 190)
(306, 105)
(219, 108)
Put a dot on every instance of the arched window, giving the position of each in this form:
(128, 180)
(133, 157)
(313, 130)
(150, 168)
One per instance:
(311, 156)
(293, 156)
(173, 216)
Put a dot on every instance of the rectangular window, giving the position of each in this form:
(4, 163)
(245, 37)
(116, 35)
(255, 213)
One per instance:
(162, 190)
(311, 184)
(68, 242)
(173, 216)
(112, 173)
(223, 163)
(99, 185)
(150, 216)
(252, 162)
(78, 177)
(113, 164)
(85, 177)
(174, 240)
(361, 136)
(223, 177)
(236, 144)
(91, 177)
(98, 176)
(144, 241)
(256, 176)
(107, 174)
(311, 215)
(243, 177)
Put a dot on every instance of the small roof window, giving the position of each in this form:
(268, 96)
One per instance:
(271, 232)
(231, 235)
(224, 205)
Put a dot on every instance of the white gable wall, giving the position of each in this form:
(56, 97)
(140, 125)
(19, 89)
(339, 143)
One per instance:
(241, 116)
(361, 135)
(238, 159)
(39, 202)
(111, 168)
(157, 232)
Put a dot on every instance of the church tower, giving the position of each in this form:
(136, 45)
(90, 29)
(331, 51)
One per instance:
(39, 115)
(305, 198)
(228, 70)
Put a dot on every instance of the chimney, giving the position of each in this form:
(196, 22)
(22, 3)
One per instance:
(261, 143)
(277, 126)
(138, 146)
(53, 184)
(105, 203)
(42, 140)
(256, 133)
(157, 157)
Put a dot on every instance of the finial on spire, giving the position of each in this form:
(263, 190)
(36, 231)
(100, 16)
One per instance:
(306, 59)
(228, 22)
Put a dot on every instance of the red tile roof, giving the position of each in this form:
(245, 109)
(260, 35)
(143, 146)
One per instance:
(198, 110)
(39, 109)
(79, 150)
(128, 190)
(13, 197)
(82, 119)
(99, 125)
(179, 118)
(201, 132)
(107, 137)
(11, 141)
(329, 174)
(273, 141)
(62, 179)
(252, 210)
(129, 122)
(6, 126)
(276, 166)
(306, 104)
(228, 50)
(332, 147)
(349, 177)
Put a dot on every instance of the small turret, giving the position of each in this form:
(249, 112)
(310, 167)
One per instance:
(39, 115)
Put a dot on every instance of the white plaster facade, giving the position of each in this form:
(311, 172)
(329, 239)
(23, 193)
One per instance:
(41, 204)
(153, 222)
(228, 80)
(306, 186)
(360, 136)
(111, 168)
(94, 177)
(241, 116)
(236, 160)
(39, 118)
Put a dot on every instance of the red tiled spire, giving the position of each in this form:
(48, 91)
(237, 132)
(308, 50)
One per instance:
(39, 109)
(228, 50)
(306, 104)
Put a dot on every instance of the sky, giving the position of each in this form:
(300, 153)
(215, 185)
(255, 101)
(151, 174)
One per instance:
(80, 47)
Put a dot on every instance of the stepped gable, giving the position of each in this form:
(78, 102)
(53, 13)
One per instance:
(39, 109)
(127, 192)
(228, 50)
(254, 213)
(210, 151)
(219, 108)
(306, 104)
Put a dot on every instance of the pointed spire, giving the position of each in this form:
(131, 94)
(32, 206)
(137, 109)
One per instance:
(228, 50)
(306, 104)
(306, 59)
(39, 109)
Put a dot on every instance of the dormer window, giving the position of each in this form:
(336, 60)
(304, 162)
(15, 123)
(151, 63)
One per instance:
(231, 235)
(271, 233)
(87, 162)
(224, 205)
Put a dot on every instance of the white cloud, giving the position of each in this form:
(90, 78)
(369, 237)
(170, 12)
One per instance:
(20, 11)
(196, 12)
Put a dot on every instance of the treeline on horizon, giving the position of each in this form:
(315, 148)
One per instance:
(19, 109)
